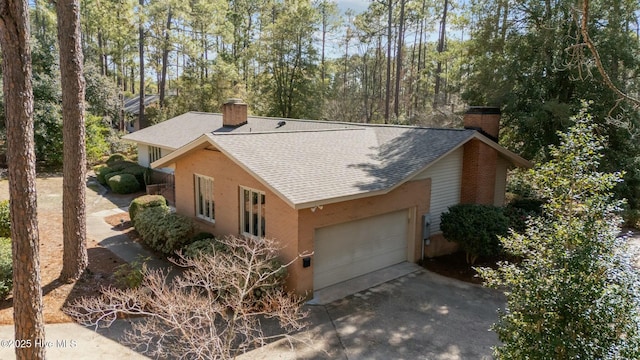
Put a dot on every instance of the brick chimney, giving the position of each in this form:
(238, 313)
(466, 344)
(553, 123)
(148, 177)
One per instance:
(479, 165)
(234, 113)
(485, 119)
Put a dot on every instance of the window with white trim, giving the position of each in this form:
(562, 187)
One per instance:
(252, 211)
(205, 206)
(155, 153)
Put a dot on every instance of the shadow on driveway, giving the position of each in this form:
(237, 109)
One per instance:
(419, 316)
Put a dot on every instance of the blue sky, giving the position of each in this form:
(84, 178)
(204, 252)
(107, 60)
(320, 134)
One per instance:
(356, 5)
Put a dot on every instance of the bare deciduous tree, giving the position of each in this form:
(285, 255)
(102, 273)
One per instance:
(213, 310)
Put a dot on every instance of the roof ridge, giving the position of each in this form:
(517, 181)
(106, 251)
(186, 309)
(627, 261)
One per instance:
(278, 131)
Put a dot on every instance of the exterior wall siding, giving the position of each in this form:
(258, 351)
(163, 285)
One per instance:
(445, 185)
(143, 157)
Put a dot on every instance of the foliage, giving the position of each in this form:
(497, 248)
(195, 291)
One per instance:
(143, 202)
(131, 275)
(208, 311)
(200, 247)
(475, 228)
(96, 138)
(576, 294)
(120, 166)
(101, 94)
(538, 91)
(163, 230)
(5, 219)
(115, 158)
(137, 171)
(6, 267)
(124, 184)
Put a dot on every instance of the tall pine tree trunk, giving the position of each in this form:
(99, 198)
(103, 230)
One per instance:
(18, 100)
(74, 220)
(165, 59)
(396, 104)
(387, 99)
(142, 123)
(437, 100)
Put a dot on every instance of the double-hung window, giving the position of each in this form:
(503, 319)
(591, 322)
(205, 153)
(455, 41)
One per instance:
(155, 153)
(205, 206)
(252, 211)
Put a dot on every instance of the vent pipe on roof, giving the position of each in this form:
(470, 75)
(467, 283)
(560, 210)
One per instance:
(234, 113)
(484, 119)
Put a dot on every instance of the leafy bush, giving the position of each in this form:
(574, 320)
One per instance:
(131, 275)
(96, 138)
(631, 218)
(576, 292)
(111, 174)
(529, 205)
(115, 158)
(137, 171)
(124, 184)
(5, 219)
(200, 247)
(163, 230)
(102, 170)
(143, 202)
(6, 268)
(475, 228)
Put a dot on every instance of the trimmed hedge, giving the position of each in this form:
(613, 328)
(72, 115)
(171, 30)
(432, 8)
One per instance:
(5, 219)
(137, 171)
(6, 268)
(124, 184)
(163, 230)
(143, 202)
(475, 228)
(115, 158)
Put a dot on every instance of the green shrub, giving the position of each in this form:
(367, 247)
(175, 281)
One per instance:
(110, 175)
(202, 236)
(631, 218)
(131, 275)
(124, 184)
(529, 205)
(101, 172)
(143, 202)
(115, 158)
(199, 248)
(475, 228)
(163, 230)
(6, 268)
(137, 171)
(96, 138)
(5, 219)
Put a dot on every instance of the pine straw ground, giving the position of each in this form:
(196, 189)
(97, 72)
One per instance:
(102, 262)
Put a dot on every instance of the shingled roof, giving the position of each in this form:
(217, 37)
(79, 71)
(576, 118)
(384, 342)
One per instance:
(309, 163)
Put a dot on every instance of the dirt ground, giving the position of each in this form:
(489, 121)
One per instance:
(102, 262)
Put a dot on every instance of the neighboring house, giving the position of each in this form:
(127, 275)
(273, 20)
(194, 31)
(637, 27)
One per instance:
(360, 197)
(131, 108)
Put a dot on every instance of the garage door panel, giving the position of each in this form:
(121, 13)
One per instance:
(355, 248)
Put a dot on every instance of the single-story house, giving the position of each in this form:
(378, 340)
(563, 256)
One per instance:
(359, 197)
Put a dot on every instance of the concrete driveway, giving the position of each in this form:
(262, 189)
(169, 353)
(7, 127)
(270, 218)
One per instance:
(419, 316)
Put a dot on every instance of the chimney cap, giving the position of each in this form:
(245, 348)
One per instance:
(234, 101)
(483, 110)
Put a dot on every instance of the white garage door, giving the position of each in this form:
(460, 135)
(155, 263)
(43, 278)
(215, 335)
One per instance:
(351, 249)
